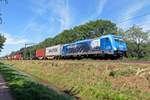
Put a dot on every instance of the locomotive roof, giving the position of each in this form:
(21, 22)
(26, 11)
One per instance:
(104, 36)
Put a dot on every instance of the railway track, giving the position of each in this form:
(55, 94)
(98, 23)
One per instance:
(113, 61)
(97, 60)
(120, 61)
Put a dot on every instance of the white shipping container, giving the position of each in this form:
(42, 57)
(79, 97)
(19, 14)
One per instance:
(53, 51)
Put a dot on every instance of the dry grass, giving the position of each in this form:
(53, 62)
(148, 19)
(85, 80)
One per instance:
(91, 80)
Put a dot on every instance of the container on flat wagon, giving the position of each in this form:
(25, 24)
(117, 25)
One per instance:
(53, 51)
(13, 57)
(17, 56)
(9, 57)
(40, 53)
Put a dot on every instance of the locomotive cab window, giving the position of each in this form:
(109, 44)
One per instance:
(119, 40)
(105, 44)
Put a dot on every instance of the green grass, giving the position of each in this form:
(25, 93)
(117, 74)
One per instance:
(89, 80)
(146, 58)
(24, 88)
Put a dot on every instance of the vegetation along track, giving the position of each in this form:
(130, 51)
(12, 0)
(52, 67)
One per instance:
(92, 79)
(23, 87)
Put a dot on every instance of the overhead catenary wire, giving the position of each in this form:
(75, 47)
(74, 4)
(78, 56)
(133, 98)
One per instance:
(142, 25)
(135, 17)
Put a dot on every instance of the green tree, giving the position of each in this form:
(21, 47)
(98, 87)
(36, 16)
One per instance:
(2, 41)
(95, 29)
(137, 40)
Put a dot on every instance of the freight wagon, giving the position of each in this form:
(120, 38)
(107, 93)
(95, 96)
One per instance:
(53, 52)
(40, 54)
(17, 56)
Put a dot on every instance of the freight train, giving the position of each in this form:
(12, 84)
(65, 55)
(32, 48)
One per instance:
(105, 46)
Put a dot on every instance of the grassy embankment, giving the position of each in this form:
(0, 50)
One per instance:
(92, 80)
(24, 88)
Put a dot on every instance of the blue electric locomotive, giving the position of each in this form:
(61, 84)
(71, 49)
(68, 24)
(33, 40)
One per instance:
(105, 45)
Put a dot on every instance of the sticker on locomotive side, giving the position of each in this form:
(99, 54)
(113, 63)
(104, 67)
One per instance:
(95, 43)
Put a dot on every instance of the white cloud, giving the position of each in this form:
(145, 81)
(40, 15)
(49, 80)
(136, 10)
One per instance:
(100, 7)
(12, 43)
(65, 16)
(58, 8)
(39, 7)
(130, 12)
(34, 27)
(10, 40)
(133, 9)
(145, 23)
(60, 11)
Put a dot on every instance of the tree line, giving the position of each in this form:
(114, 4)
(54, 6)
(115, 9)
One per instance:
(137, 40)
(2, 41)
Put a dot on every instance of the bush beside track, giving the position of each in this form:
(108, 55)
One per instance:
(91, 80)
(24, 88)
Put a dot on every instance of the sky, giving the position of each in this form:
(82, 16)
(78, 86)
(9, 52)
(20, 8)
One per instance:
(32, 21)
